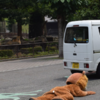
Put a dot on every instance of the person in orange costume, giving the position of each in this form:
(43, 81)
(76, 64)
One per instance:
(76, 84)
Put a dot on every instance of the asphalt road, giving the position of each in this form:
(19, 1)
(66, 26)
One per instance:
(24, 83)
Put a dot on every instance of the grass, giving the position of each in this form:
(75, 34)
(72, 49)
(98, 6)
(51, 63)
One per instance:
(25, 28)
(45, 53)
(39, 54)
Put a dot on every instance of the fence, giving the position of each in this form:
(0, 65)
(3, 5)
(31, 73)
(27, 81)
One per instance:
(10, 35)
(17, 47)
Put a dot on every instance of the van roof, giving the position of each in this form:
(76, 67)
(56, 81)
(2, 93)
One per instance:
(84, 23)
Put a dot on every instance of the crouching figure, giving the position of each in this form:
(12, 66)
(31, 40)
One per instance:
(76, 85)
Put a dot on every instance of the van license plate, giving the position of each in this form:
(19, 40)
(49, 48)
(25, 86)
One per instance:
(75, 65)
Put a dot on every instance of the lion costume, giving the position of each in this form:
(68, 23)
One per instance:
(76, 84)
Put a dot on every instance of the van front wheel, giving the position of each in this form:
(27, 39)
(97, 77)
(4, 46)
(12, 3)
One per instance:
(76, 71)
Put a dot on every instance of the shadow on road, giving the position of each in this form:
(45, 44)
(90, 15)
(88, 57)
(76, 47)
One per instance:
(92, 76)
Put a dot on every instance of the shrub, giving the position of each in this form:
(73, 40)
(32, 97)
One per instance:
(53, 44)
(27, 50)
(26, 39)
(52, 48)
(30, 50)
(4, 53)
(47, 48)
(37, 49)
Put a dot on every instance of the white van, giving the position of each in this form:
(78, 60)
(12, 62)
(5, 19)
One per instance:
(81, 46)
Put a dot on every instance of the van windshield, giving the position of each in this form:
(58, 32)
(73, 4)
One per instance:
(76, 35)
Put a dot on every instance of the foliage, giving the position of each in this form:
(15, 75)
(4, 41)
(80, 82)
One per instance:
(26, 50)
(26, 39)
(64, 8)
(20, 10)
(51, 48)
(46, 53)
(90, 11)
(16, 9)
(53, 44)
(37, 49)
(4, 53)
(25, 28)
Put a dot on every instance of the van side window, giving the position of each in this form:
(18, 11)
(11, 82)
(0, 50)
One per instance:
(99, 29)
(76, 34)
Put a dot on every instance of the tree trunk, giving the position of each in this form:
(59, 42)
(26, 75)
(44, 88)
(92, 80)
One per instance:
(61, 27)
(36, 24)
(19, 30)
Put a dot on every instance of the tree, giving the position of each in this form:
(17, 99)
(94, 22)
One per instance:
(90, 11)
(16, 10)
(21, 11)
(36, 24)
(63, 9)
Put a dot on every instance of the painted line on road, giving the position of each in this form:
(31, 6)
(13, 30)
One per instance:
(15, 96)
(66, 76)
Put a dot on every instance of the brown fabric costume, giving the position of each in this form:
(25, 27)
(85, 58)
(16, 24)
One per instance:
(76, 84)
